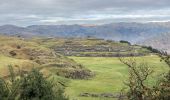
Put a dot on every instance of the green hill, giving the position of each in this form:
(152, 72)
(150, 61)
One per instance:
(25, 54)
(93, 47)
(102, 74)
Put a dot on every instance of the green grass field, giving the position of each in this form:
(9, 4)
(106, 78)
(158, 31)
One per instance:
(110, 75)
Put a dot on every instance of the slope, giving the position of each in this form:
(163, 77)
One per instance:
(93, 47)
(25, 54)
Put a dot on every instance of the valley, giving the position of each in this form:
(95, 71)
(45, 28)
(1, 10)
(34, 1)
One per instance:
(84, 50)
(89, 67)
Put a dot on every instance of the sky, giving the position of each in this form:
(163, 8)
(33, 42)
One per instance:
(34, 12)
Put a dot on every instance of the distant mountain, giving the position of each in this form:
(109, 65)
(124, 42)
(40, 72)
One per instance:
(161, 42)
(133, 32)
(15, 30)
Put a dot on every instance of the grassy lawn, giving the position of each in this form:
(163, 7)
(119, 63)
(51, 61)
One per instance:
(110, 75)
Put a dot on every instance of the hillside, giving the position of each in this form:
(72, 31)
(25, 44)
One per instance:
(47, 54)
(99, 66)
(92, 47)
(160, 42)
(26, 54)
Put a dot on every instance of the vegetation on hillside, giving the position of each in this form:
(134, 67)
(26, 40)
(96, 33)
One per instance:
(25, 54)
(93, 47)
(107, 73)
(31, 86)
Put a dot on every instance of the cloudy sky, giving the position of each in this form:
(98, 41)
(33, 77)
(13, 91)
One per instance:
(29, 12)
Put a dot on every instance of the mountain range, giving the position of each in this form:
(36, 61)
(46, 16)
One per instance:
(156, 34)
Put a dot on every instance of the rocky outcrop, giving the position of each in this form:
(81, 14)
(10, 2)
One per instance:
(119, 96)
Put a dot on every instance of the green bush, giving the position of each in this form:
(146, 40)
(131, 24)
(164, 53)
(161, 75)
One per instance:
(123, 41)
(35, 87)
(31, 86)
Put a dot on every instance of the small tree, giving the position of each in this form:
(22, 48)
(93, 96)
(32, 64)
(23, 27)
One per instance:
(138, 74)
(35, 87)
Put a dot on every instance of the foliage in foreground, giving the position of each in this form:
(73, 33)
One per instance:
(31, 86)
(139, 74)
(164, 84)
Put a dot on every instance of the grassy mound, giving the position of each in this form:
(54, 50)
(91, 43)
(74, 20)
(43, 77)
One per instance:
(20, 52)
(92, 47)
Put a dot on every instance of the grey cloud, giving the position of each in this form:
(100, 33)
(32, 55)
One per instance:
(24, 12)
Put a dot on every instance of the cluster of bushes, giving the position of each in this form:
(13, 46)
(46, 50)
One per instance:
(151, 49)
(123, 41)
(31, 86)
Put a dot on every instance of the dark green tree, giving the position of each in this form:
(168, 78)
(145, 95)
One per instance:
(36, 87)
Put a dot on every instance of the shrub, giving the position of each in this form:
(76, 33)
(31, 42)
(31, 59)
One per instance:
(138, 75)
(4, 92)
(34, 86)
(31, 86)
(12, 53)
(123, 41)
(152, 49)
(18, 47)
